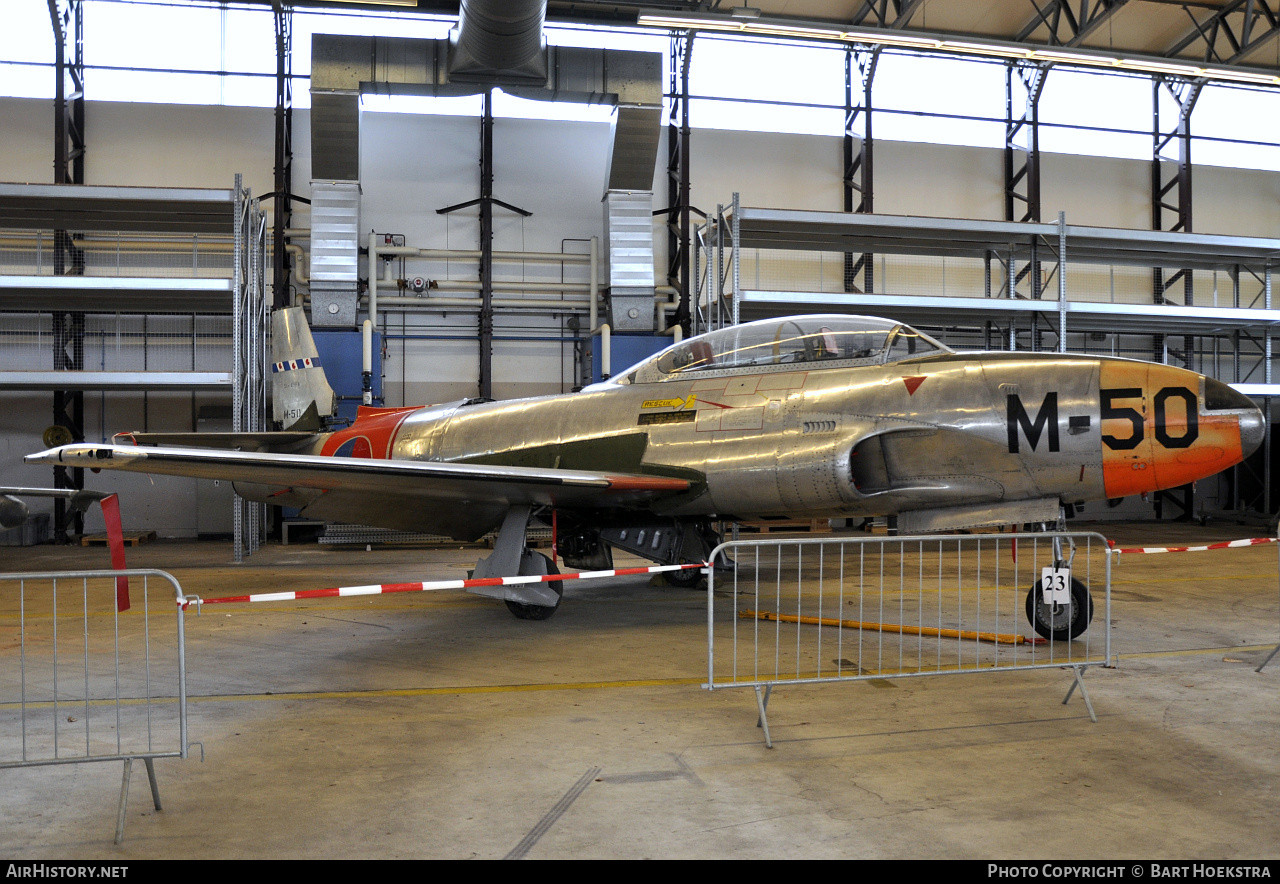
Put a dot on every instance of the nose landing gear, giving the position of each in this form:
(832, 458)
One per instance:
(1057, 621)
(1060, 621)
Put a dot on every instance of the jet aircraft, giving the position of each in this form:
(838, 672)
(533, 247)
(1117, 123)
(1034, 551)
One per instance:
(13, 512)
(826, 416)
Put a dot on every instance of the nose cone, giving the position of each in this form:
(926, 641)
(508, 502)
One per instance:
(1251, 431)
(1220, 397)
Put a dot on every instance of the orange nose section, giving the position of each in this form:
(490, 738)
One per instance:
(1155, 434)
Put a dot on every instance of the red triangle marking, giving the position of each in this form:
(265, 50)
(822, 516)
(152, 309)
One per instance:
(913, 384)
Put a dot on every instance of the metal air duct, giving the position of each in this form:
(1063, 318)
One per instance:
(335, 249)
(496, 43)
(499, 41)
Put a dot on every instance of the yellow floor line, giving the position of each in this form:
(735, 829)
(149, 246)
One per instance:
(1000, 638)
(520, 688)
(1192, 652)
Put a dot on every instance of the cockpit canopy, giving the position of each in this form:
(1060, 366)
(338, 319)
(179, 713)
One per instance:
(813, 341)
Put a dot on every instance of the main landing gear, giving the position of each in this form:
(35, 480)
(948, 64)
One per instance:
(1060, 621)
(510, 557)
(532, 563)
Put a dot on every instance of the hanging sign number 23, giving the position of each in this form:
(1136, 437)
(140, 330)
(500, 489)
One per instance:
(1055, 586)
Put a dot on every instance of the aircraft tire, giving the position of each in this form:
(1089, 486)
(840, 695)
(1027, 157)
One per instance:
(528, 566)
(1057, 622)
(686, 579)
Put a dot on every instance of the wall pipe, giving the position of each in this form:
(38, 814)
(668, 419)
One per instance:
(373, 278)
(577, 304)
(542, 303)
(366, 366)
(592, 259)
(606, 359)
(301, 268)
(595, 280)
(460, 254)
(436, 303)
(464, 285)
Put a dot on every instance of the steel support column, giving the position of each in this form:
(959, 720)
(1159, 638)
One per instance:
(859, 144)
(679, 220)
(486, 247)
(284, 153)
(486, 201)
(1171, 172)
(1171, 210)
(1024, 83)
(67, 20)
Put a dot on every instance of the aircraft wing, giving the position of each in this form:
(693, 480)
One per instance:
(461, 500)
(269, 441)
(38, 492)
(13, 512)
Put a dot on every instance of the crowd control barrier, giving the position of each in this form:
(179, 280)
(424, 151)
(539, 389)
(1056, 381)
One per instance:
(85, 677)
(805, 611)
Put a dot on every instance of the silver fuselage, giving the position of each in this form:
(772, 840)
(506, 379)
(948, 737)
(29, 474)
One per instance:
(948, 430)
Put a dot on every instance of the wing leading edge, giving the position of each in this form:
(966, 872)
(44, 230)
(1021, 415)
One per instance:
(460, 500)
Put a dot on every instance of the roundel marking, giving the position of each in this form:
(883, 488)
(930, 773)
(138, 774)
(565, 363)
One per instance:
(356, 446)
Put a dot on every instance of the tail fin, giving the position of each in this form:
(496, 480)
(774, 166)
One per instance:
(300, 393)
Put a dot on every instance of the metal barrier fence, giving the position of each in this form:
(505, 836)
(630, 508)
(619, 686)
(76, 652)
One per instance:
(804, 611)
(81, 681)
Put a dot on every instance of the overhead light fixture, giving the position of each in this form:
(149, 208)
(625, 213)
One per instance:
(678, 22)
(381, 2)
(903, 40)
(756, 26)
(746, 20)
(1243, 76)
(968, 48)
(1161, 67)
(1074, 58)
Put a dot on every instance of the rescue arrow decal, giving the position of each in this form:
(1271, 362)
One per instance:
(913, 384)
(687, 402)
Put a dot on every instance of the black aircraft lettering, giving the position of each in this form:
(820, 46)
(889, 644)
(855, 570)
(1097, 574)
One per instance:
(1046, 416)
(1193, 418)
(1134, 417)
(1109, 412)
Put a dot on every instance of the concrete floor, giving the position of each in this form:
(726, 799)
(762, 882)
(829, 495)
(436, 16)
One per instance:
(438, 726)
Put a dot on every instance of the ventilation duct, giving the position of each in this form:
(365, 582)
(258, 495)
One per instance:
(335, 249)
(343, 67)
(499, 42)
(628, 230)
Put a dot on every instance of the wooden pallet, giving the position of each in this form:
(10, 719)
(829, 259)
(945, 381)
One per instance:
(130, 539)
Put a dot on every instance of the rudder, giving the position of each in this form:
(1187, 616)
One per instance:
(300, 392)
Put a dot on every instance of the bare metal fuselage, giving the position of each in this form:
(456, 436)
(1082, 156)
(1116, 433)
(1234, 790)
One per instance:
(950, 432)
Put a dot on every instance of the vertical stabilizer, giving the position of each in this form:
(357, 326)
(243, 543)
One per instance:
(300, 393)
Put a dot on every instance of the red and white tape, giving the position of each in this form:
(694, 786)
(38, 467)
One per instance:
(429, 586)
(1226, 544)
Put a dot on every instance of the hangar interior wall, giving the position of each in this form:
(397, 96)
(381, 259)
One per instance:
(413, 165)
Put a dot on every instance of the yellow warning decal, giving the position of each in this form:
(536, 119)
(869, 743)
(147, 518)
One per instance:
(671, 403)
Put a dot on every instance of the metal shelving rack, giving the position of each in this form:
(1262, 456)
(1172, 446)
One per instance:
(754, 262)
(110, 288)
